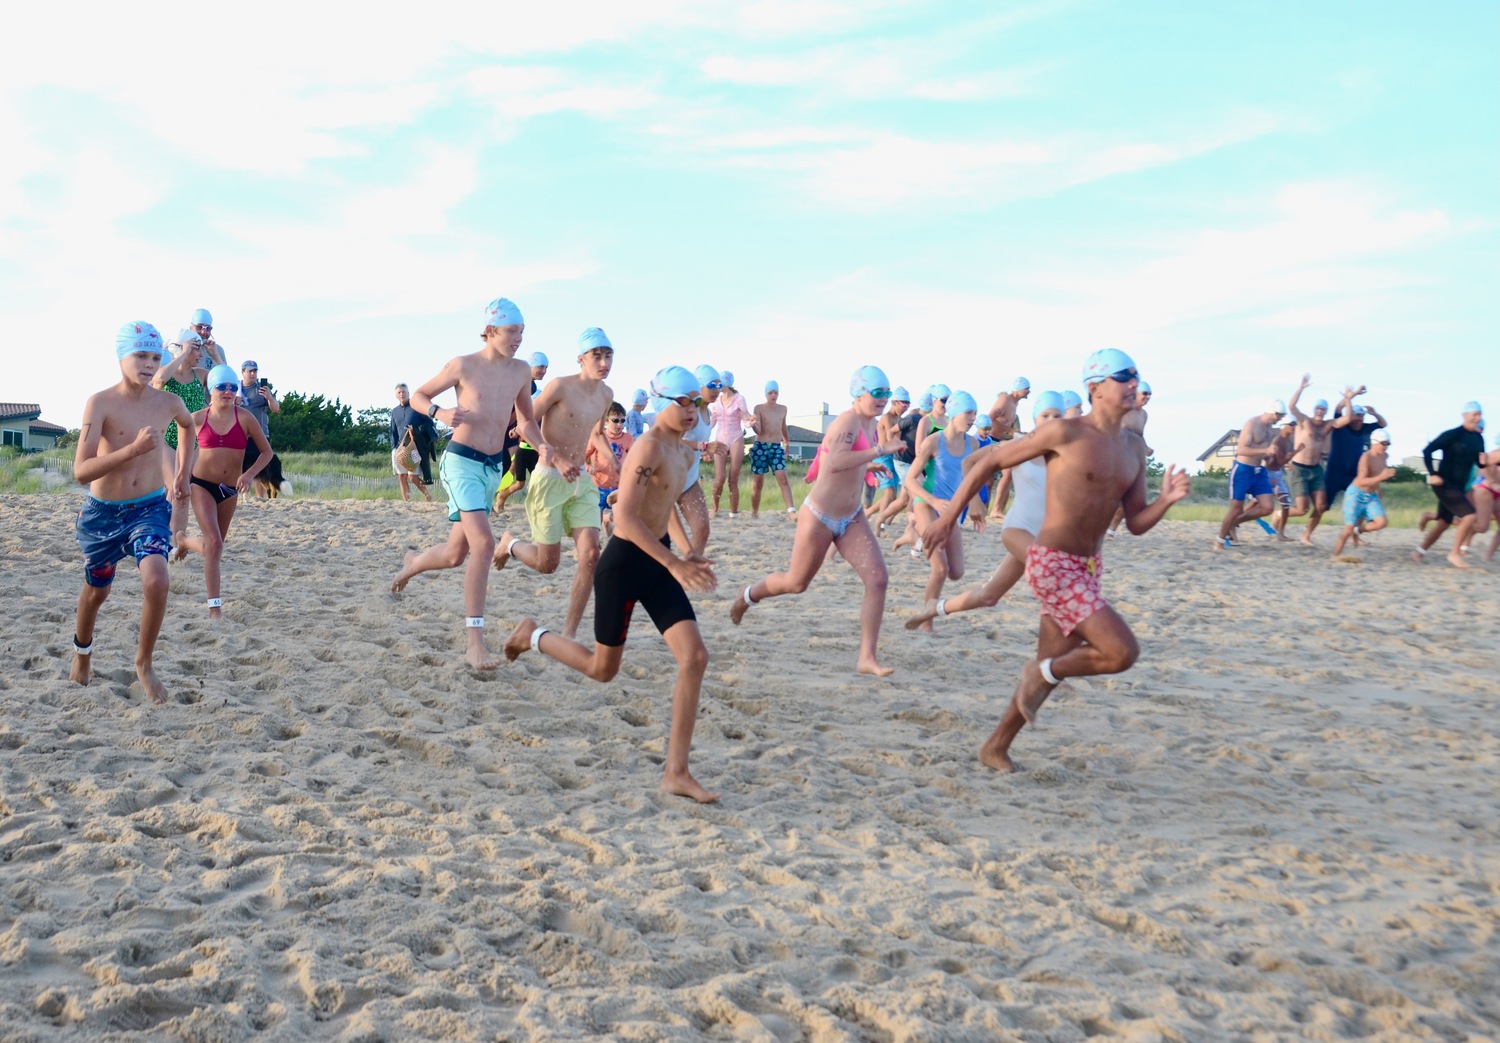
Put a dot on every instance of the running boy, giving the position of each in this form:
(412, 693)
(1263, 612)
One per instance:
(1093, 465)
(1363, 511)
(564, 501)
(490, 383)
(128, 511)
(639, 566)
(607, 448)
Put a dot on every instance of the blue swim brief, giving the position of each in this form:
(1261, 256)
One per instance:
(604, 499)
(472, 479)
(109, 530)
(1246, 482)
(1361, 506)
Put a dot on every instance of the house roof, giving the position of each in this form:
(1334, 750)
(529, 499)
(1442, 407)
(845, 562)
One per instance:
(1232, 435)
(19, 411)
(42, 427)
(802, 434)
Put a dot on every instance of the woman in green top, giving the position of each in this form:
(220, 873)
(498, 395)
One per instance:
(183, 377)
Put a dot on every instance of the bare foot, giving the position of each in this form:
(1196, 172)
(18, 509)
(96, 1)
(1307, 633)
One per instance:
(1283, 537)
(520, 639)
(1418, 554)
(149, 681)
(682, 784)
(1307, 540)
(1457, 560)
(399, 583)
(1031, 692)
(873, 668)
(179, 546)
(216, 614)
(478, 656)
(997, 759)
(738, 609)
(82, 669)
(502, 551)
(927, 615)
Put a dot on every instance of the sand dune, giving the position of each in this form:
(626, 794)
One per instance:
(1280, 825)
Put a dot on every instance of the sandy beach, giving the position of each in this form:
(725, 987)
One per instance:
(1281, 824)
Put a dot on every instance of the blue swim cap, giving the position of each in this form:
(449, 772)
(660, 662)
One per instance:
(961, 402)
(900, 394)
(1021, 384)
(1103, 362)
(537, 358)
(1321, 403)
(1052, 400)
(592, 338)
(639, 396)
(940, 391)
(222, 374)
(669, 383)
(1071, 399)
(137, 336)
(925, 402)
(771, 386)
(727, 377)
(1143, 388)
(706, 375)
(1472, 407)
(982, 421)
(201, 317)
(868, 378)
(501, 312)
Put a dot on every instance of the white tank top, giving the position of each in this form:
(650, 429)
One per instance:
(1029, 482)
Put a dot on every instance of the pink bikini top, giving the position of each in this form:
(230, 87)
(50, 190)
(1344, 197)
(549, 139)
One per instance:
(234, 438)
(862, 442)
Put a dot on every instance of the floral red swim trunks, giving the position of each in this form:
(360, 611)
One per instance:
(1066, 584)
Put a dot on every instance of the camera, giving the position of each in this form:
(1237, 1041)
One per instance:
(264, 382)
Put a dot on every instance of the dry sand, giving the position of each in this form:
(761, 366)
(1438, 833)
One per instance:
(1280, 825)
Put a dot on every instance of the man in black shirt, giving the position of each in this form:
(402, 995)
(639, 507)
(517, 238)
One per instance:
(1463, 449)
(424, 431)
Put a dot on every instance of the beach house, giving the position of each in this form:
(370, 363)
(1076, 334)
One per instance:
(21, 426)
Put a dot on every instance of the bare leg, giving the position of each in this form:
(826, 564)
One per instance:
(586, 545)
(539, 557)
(153, 569)
(405, 481)
(447, 555)
(736, 462)
(1320, 504)
(861, 550)
(720, 462)
(213, 523)
(1429, 539)
(1338, 548)
(756, 483)
(687, 647)
(90, 599)
(786, 490)
(809, 548)
(480, 546)
(1011, 568)
(1462, 532)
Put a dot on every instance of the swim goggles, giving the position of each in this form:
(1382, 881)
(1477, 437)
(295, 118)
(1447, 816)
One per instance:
(1124, 376)
(689, 400)
(715, 385)
(226, 387)
(879, 392)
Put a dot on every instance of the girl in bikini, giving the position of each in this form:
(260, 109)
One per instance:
(833, 514)
(218, 474)
(947, 450)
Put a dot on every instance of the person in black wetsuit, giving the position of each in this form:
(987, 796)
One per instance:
(1463, 450)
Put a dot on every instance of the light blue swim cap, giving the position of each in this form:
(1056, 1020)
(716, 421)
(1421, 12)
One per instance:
(940, 391)
(925, 402)
(1071, 399)
(1473, 407)
(201, 317)
(501, 312)
(592, 338)
(727, 377)
(1052, 400)
(1103, 362)
(222, 374)
(669, 383)
(537, 358)
(640, 396)
(706, 375)
(868, 378)
(771, 386)
(1143, 388)
(900, 394)
(1021, 384)
(982, 421)
(137, 336)
(1321, 403)
(962, 402)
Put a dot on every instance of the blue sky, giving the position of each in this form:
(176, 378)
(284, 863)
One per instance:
(959, 192)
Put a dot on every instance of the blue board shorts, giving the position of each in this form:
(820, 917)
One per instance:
(109, 530)
(1361, 506)
(889, 480)
(766, 457)
(471, 478)
(1246, 482)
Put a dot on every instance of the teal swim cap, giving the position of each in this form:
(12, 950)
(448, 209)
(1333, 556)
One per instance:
(137, 336)
(961, 402)
(1051, 400)
(867, 379)
(222, 374)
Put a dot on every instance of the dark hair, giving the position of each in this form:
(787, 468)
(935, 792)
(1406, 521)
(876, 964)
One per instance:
(615, 409)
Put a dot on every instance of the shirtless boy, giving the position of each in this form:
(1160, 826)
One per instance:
(490, 384)
(1363, 511)
(768, 454)
(833, 515)
(639, 566)
(692, 528)
(1093, 464)
(564, 501)
(1277, 460)
(1248, 480)
(1307, 479)
(1004, 421)
(128, 512)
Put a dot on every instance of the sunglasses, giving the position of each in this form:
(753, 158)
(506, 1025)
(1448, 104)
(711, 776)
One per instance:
(226, 387)
(204, 327)
(879, 392)
(715, 385)
(689, 400)
(1124, 376)
(943, 399)
(615, 420)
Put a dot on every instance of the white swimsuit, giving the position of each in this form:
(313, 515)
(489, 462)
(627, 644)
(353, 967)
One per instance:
(1029, 482)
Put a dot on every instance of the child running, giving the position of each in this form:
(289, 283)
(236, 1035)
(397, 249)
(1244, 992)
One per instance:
(1093, 464)
(219, 475)
(127, 511)
(1022, 522)
(490, 383)
(945, 451)
(1363, 510)
(607, 448)
(638, 566)
(832, 515)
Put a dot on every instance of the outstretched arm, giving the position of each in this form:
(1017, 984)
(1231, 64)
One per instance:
(1141, 516)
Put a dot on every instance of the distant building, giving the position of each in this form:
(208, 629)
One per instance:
(818, 421)
(803, 442)
(1220, 455)
(21, 427)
